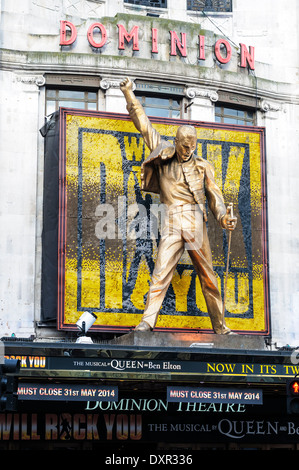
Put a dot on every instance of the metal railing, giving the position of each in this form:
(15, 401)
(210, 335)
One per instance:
(210, 5)
(149, 3)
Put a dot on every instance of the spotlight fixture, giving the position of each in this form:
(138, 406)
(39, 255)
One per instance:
(84, 323)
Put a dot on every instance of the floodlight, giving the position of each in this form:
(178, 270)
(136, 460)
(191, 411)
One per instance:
(84, 323)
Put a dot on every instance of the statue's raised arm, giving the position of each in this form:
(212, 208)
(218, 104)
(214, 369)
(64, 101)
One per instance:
(142, 123)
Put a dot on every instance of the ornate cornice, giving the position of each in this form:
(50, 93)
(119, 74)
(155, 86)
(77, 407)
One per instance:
(203, 93)
(37, 80)
(107, 83)
(268, 106)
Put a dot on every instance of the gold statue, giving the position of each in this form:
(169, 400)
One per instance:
(184, 181)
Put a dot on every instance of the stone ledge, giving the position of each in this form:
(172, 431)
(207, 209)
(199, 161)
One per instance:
(192, 340)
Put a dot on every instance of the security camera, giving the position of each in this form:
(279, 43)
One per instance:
(84, 323)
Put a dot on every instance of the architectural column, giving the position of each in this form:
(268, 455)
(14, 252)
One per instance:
(114, 98)
(20, 210)
(201, 103)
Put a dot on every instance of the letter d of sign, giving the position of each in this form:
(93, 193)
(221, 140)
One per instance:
(63, 39)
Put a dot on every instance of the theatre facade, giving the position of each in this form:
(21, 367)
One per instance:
(80, 237)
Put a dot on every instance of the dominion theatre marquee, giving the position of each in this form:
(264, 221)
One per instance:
(108, 394)
(101, 231)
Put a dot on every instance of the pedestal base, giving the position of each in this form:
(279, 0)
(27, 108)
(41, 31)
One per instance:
(157, 339)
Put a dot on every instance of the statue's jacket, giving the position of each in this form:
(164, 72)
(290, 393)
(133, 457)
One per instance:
(177, 184)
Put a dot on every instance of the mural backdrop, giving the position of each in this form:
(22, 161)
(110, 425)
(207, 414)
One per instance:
(108, 230)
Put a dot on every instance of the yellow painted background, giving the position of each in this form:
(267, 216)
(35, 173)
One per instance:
(98, 148)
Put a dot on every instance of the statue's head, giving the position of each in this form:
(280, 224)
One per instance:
(185, 142)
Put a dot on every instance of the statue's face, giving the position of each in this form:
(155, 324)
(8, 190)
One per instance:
(185, 144)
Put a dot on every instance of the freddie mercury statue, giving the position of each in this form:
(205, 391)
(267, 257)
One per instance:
(183, 181)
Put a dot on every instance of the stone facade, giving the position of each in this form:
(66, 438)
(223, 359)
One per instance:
(31, 52)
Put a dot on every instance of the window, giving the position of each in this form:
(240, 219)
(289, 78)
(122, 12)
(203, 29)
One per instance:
(234, 115)
(68, 98)
(210, 5)
(149, 3)
(161, 107)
